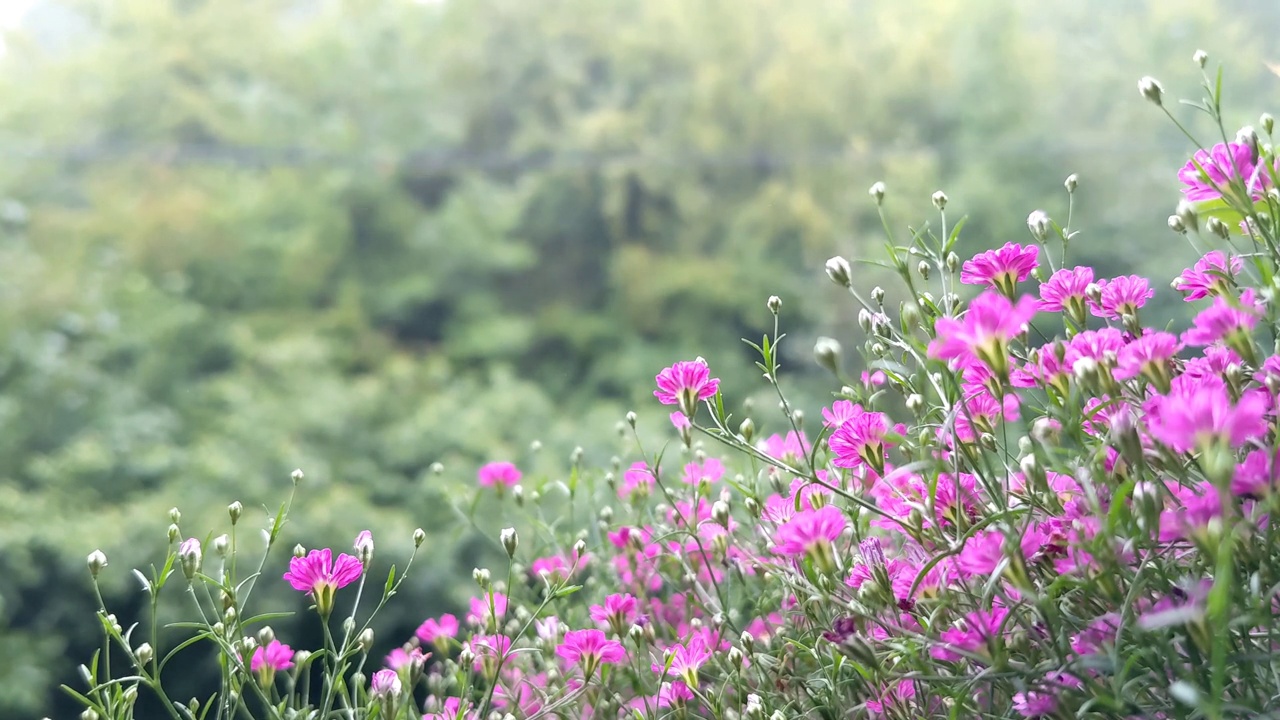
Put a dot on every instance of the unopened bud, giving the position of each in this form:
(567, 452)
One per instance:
(915, 402)
(419, 537)
(579, 548)
(1071, 182)
(1176, 224)
(953, 262)
(266, 635)
(297, 476)
(827, 352)
(747, 429)
(1038, 223)
(365, 640)
(175, 516)
(1151, 89)
(190, 557)
(839, 271)
(1217, 227)
(89, 714)
(1200, 58)
(145, 654)
(774, 304)
(720, 513)
(510, 541)
(299, 551)
(482, 578)
(631, 418)
(940, 200)
(1267, 122)
(220, 545)
(364, 547)
(923, 268)
(1249, 137)
(235, 510)
(877, 192)
(174, 533)
(1187, 214)
(96, 561)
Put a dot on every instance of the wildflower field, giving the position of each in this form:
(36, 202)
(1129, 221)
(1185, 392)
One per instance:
(1032, 503)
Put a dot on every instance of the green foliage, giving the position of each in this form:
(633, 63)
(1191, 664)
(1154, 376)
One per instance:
(359, 238)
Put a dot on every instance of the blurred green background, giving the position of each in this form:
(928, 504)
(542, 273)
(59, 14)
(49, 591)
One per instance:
(243, 236)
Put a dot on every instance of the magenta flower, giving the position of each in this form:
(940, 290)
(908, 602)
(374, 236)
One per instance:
(982, 553)
(1221, 165)
(438, 632)
(1065, 292)
(1195, 415)
(860, 440)
(710, 470)
(685, 661)
(685, 384)
(491, 607)
(984, 332)
(385, 684)
(810, 532)
(400, 658)
(267, 660)
(1149, 356)
(589, 648)
(1122, 296)
(1225, 319)
(974, 635)
(451, 709)
(1001, 269)
(320, 576)
(499, 474)
(840, 412)
(617, 612)
(1211, 275)
(637, 480)
(1257, 476)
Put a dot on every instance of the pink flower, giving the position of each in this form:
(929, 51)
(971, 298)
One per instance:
(860, 440)
(491, 607)
(1065, 292)
(452, 709)
(1001, 269)
(1122, 296)
(1149, 356)
(589, 648)
(1197, 414)
(489, 650)
(618, 611)
(680, 420)
(400, 658)
(974, 634)
(320, 576)
(385, 683)
(710, 470)
(1257, 475)
(840, 412)
(1224, 319)
(275, 656)
(685, 384)
(437, 632)
(1211, 275)
(685, 661)
(1221, 165)
(809, 531)
(500, 474)
(982, 553)
(637, 480)
(267, 660)
(984, 332)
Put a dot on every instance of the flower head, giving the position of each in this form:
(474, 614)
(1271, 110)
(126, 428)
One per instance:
(1195, 415)
(684, 384)
(810, 532)
(499, 474)
(1066, 292)
(984, 332)
(1001, 269)
(437, 632)
(268, 659)
(320, 576)
(1211, 275)
(1225, 319)
(1122, 296)
(589, 648)
(684, 661)
(1209, 173)
(861, 440)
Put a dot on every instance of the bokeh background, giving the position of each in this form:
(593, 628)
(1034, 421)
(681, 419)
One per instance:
(362, 237)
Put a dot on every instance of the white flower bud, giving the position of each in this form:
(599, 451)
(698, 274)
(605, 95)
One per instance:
(510, 541)
(774, 304)
(419, 537)
(877, 192)
(1176, 224)
(827, 352)
(1071, 182)
(840, 272)
(1151, 89)
(297, 476)
(1038, 223)
(235, 510)
(96, 561)
(940, 200)
(1200, 58)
